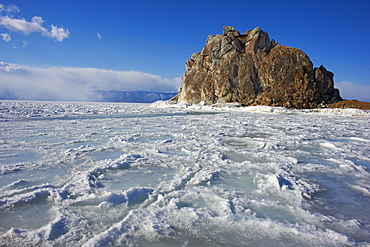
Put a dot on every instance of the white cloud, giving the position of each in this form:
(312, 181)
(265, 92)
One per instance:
(57, 33)
(99, 36)
(24, 44)
(350, 90)
(22, 26)
(19, 43)
(6, 37)
(25, 27)
(10, 67)
(9, 9)
(77, 84)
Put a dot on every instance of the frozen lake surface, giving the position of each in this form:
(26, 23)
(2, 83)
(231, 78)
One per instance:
(104, 174)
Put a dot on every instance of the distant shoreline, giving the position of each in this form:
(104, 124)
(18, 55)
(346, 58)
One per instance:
(356, 104)
(350, 104)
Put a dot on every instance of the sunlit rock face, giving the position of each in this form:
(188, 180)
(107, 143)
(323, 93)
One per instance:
(251, 69)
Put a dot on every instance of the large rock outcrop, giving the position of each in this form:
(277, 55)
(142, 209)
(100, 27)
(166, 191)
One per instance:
(251, 69)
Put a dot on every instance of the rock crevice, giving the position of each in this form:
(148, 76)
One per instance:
(251, 69)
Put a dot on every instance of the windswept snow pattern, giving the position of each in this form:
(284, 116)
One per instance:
(104, 174)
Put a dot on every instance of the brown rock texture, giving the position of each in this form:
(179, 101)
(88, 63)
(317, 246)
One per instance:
(251, 69)
(351, 104)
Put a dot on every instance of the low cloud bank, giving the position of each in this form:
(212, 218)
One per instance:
(74, 84)
(350, 90)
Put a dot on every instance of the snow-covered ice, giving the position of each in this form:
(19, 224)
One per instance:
(110, 174)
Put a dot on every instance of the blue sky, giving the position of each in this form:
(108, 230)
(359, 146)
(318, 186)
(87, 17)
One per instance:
(144, 44)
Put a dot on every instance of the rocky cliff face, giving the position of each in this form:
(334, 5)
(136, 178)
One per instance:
(251, 69)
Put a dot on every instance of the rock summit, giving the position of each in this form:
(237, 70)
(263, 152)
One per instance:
(251, 69)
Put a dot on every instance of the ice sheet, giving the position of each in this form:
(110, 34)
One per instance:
(98, 174)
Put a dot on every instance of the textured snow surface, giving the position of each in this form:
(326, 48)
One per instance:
(104, 174)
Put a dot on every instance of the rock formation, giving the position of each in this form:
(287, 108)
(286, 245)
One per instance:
(251, 69)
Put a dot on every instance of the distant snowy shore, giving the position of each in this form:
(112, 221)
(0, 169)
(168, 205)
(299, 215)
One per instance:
(261, 109)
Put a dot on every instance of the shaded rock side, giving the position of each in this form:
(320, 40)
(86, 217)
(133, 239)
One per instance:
(251, 69)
